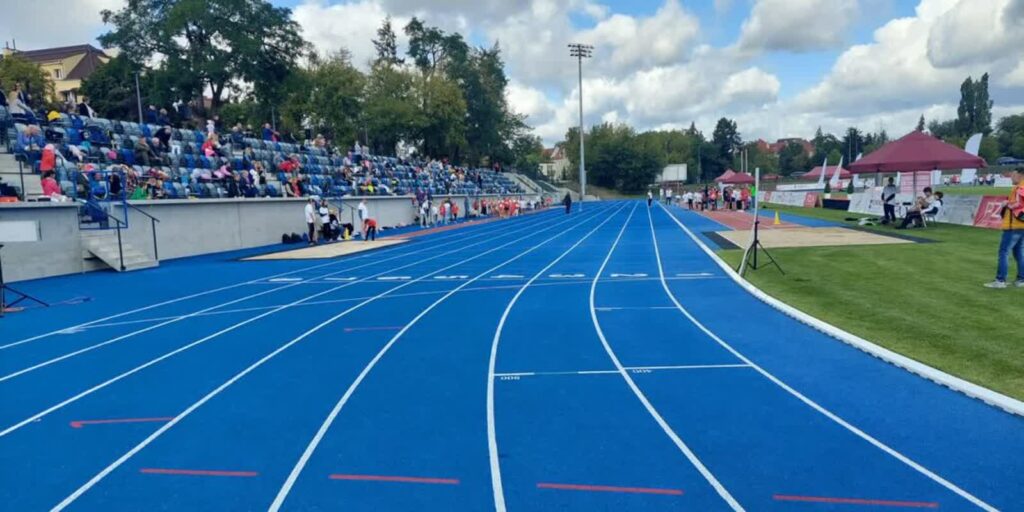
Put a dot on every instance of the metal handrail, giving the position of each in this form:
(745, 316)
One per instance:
(120, 243)
(152, 223)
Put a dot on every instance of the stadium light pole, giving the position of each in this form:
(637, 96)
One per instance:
(581, 51)
(138, 96)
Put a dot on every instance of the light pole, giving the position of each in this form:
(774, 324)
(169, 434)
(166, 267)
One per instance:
(581, 51)
(138, 96)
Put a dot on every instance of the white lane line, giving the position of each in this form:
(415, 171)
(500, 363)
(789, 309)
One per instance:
(687, 452)
(492, 436)
(167, 426)
(154, 361)
(340, 278)
(235, 301)
(284, 280)
(634, 369)
(222, 288)
(814, 405)
(313, 443)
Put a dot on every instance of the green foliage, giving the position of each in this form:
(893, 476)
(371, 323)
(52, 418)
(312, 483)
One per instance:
(920, 124)
(974, 113)
(327, 96)
(442, 130)
(392, 112)
(726, 141)
(111, 88)
(616, 158)
(1010, 136)
(209, 43)
(828, 187)
(793, 159)
(825, 144)
(33, 80)
(386, 45)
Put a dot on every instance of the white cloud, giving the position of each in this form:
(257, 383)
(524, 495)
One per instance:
(978, 31)
(352, 26)
(797, 25)
(35, 25)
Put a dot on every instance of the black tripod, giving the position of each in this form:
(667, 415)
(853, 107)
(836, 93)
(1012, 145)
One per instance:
(4, 290)
(756, 244)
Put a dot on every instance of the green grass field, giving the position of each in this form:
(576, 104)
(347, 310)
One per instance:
(925, 301)
(975, 191)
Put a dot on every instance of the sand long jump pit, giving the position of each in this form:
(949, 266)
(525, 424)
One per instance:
(327, 251)
(812, 237)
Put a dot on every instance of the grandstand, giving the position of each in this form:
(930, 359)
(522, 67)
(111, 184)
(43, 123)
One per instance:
(185, 171)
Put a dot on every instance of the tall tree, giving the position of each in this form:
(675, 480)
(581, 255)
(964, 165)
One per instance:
(386, 44)
(965, 111)
(210, 44)
(852, 143)
(982, 106)
(793, 158)
(920, 124)
(111, 88)
(727, 141)
(327, 96)
(34, 81)
(392, 111)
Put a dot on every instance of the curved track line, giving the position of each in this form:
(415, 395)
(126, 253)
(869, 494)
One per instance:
(687, 452)
(492, 438)
(814, 405)
(209, 396)
(313, 443)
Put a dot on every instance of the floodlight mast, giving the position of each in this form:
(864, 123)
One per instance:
(581, 51)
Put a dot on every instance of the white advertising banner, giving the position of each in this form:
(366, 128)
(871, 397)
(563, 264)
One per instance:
(959, 209)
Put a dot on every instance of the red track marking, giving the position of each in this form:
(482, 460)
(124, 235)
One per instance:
(82, 423)
(382, 328)
(741, 221)
(196, 472)
(609, 488)
(857, 501)
(404, 479)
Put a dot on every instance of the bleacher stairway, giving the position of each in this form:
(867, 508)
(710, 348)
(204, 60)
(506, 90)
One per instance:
(9, 175)
(99, 248)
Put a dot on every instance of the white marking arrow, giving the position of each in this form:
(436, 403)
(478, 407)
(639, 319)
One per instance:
(630, 275)
(450, 277)
(340, 279)
(566, 276)
(394, 278)
(699, 274)
(285, 279)
(507, 276)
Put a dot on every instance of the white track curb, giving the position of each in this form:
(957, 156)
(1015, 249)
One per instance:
(1006, 403)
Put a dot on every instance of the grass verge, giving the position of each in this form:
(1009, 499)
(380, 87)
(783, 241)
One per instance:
(924, 301)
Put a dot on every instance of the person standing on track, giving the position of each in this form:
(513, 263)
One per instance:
(650, 198)
(364, 214)
(311, 219)
(567, 201)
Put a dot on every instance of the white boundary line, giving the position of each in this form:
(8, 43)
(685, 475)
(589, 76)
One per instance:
(326, 425)
(687, 452)
(174, 352)
(215, 307)
(207, 292)
(628, 368)
(814, 405)
(209, 396)
(492, 437)
(993, 398)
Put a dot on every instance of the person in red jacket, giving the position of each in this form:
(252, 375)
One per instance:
(370, 228)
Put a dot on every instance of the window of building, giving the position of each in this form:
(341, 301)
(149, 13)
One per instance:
(57, 74)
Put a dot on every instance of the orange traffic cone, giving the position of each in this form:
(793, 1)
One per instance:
(777, 222)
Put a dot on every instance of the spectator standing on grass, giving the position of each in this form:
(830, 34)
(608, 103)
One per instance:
(1012, 241)
(889, 202)
(310, 212)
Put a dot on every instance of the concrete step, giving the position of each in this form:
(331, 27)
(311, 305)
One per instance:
(9, 175)
(103, 246)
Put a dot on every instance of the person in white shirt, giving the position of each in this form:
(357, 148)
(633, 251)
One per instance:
(325, 221)
(650, 198)
(668, 196)
(311, 219)
(363, 215)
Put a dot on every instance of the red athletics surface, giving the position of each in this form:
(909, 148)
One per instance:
(857, 501)
(196, 472)
(82, 423)
(610, 488)
(741, 221)
(403, 479)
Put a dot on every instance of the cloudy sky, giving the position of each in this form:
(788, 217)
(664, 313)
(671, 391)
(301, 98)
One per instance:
(779, 67)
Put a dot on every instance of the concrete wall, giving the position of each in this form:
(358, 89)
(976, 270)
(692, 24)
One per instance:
(186, 228)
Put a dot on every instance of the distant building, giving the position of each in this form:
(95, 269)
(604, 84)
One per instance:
(67, 66)
(555, 164)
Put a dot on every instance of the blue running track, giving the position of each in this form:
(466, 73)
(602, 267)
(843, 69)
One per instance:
(586, 362)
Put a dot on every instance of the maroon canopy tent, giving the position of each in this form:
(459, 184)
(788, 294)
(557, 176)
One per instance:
(916, 151)
(728, 174)
(736, 178)
(816, 173)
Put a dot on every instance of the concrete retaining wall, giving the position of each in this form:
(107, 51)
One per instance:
(186, 228)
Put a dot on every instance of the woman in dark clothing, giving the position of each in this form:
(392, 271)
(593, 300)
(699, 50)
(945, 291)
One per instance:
(567, 201)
